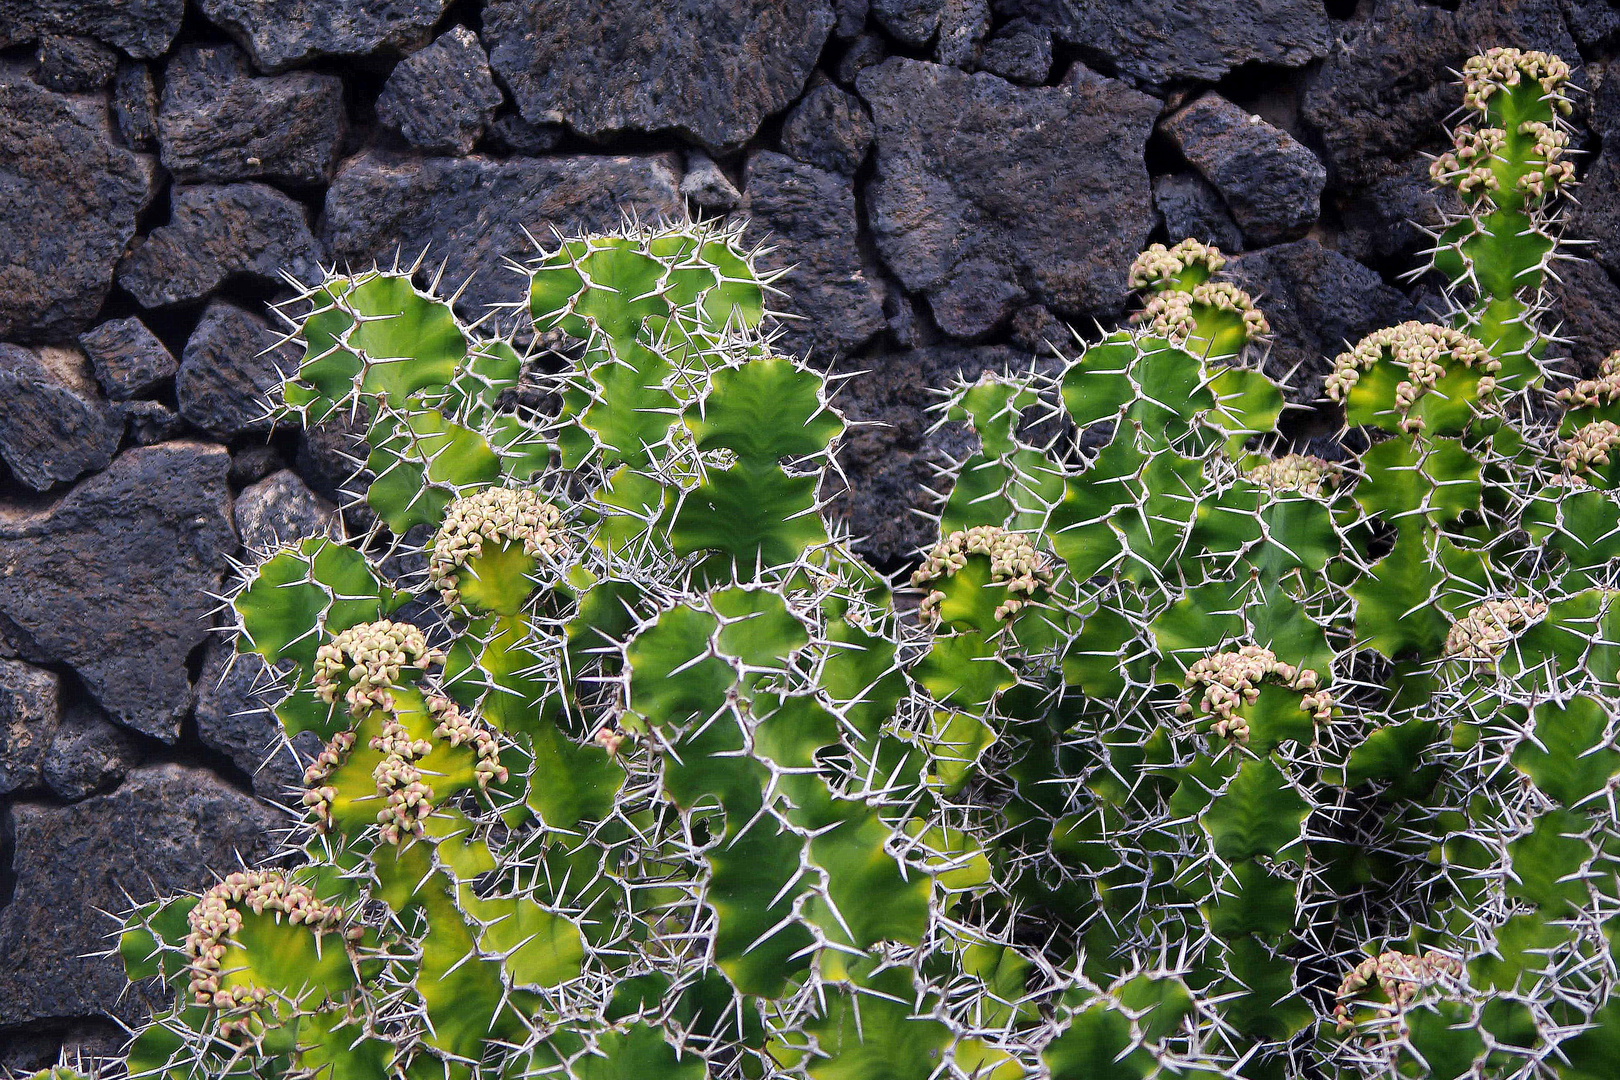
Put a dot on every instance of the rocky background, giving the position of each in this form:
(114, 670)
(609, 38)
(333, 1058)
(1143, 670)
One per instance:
(954, 181)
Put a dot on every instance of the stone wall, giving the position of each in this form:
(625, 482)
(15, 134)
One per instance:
(952, 181)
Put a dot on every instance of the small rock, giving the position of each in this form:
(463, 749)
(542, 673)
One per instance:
(149, 422)
(1586, 302)
(705, 185)
(810, 214)
(129, 359)
(516, 135)
(167, 824)
(279, 509)
(908, 327)
(1597, 216)
(910, 22)
(142, 28)
(234, 697)
(1021, 52)
(218, 122)
(441, 98)
(851, 18)
(571, 61)
(252, 463)
(332, 460)
(51, 429)
(29, 707)
(1271, 184)
(829, 129)
(1595, 24)
(1191, 207)
(216, 231)
(135, 106)
(74, 65)
(1035, 329)
(113, 579)
(1384, 221)
(226, 375)
(963, 26)
(280, 34)
(89, 754)
(866, 51)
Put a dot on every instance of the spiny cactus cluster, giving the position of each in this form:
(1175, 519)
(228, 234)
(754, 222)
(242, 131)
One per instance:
(1183, 755)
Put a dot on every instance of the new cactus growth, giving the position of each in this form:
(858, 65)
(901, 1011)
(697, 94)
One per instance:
(1198, 756)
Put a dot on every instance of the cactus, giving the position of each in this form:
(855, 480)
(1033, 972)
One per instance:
(1197, 756)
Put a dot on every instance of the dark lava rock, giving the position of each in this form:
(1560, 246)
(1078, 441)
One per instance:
(441, 98)
(1386, 87)
(252, 463)
(74, 65)
(516, 135)
(851, 17)
(1021, 52)
(911, 22)
(41, 1046)
(1586, 305)
(963, 26)
(988, 196)
(54, 426)
(216, 231)
(218, 122)
(1384, 221)
(829, 129)
(89, 754)
(1271, 184)
(149, 422)
(226, 375)
(866, 51)
(472, 211)
(168, 827)
(70, 198)
(1154, 41)
(1597, 218)
(1191, 207)
(128, 358)
(809, 213)
(135, 106)
(280, 34)
(332, 458)
(1319, 303)
(1595, 23)
(142, 28)
(604, 66)
(278, 509)
(29, 707)
(706, 184)
(113, 579)
(234, 696)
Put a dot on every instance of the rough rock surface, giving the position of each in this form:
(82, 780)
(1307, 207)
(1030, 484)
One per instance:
(706, 185)
(1598, 216)
(442, 97)
(29, 707)
(148, 422)
(282, 33)
(1270, 183)
(226, 373)
(828, 129)
(142, 28)
(53, 425)
(1191, 206)
(89, 754)
(471, 212)
(214, 232)
(135, 106)
(1021, 52)
(218, 122)
(112, 580)
(988, 195)
(74, 65)
(277, 509)
(71, 198)
(234, 718)
(1586, 309)
(567, 61)
(129, 360)
(1384, 222)
(168, 825)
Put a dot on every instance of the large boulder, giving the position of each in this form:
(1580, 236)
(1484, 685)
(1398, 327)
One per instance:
(709, 69)
(54, 425)
(114, 579)
(280, 34)
(142, 28)
(989, 196)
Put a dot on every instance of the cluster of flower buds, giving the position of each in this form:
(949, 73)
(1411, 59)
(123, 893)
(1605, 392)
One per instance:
(1424, 349)
(1295, 472)
(1588, 449)
(1550, 144)
(407, 797)
(1159, 266)
(1467, 165)
(1399, 978)
(1014, 562)
(319, 796)
(1595, 393)
(496, 516)
(1232, 679)
(610, 739)
(1484, 634)
(1173, 315)
(1505, 68)
(364, 662)
(458, 729)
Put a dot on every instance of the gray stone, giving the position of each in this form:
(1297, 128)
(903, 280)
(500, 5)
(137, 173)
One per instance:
(516, 135)
(866, 51)
(217, 232)
(1597, 217)
(135, 106)
(252, 463)
(88, 754)
(280, 508)
(706, 184)
(989, 196)
(148, 422)
(234, 697)
(472, 211)
(128, 358)
(40, 1046)
(1595, 24)
(1384, 221)
(113, 579)
(1586, 310)
(142, 28)
(809, 213)
(829, 129)
(963, 26)
(29, 708)
(54, 426)
(1021, 52)
(1270, 183)
(911, 22)
(280, 34)
(1191, 207)
(74, 65)
(71, 199)
(331, 459)
(167, 828)
(441, 98)
(218, 122)
(604, 66)
(851, 17)
(1155, 41)
(226, 375)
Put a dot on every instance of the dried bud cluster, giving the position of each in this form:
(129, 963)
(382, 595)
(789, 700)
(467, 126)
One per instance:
(497, 516)
(1400, 978)
(1296, 472)
(1485, 632)
(369, 658)
(1014, 562)
(1504, 68)
(1174, 315)
(1424, 350)
(1158, 266)
(1588, 449)
(1595, 393)
(456, 728)
(1232, 679)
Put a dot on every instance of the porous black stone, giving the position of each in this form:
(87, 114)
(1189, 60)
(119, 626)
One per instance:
(441, 98)
(129, 360)
(228, 370)
(29, 709)
(280, 34)
(73, 64)
(54, 426)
